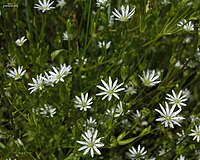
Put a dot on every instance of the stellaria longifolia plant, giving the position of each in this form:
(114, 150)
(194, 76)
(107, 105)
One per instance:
(100, 79)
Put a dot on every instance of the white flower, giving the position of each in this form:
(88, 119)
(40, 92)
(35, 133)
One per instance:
(151, 158)
(84, 60)
(19, 142)
(45, 6)
(35, 110)
(110, 112)
(16, 73)
(168, 116)
(130, 89)
(83, 103)
(110, 89)
(163, 151)
(91, 143)
(195, 119)
(102, 3)
(90, 124)
(181, 136)
(187, 93)
(61, 3)
(119, 110)
(138, 115)
(181, 157)
(104, 44)
(178, 64)
(48, 80)
(67, 36)
(111, 20)
(196, 133)
(125, 15)
(177, 100)
(48, 110)
(165, 2)
(20, 41)
(150, 78)
(116, 112)
(58, 75)
(137, 154)
(38, 83)
(188, 26)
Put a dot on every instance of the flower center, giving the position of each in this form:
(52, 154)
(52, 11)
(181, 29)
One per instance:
(84, 104)
(90, 144)
(39, 86)
(124, 18)
(110, 91)
(198, 133)
(168, 118)
(147, 82)
(59, 76)
(138, 156)
(17, 76)
(177, 101)
(45, 8)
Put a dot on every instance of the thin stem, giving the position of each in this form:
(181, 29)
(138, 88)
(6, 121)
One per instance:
(87, 28)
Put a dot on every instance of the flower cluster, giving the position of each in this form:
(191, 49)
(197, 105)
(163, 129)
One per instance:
(54, 77)
(117, 99)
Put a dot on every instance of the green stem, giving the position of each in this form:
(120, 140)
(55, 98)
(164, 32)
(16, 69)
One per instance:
(8, 106)
(44, 19)
(88, 25)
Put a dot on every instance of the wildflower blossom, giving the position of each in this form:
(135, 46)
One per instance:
(20, 41)
(102, 3)
(125, 15)
(38, 84)
(138, 115)
(168, 116)
(104, 44)
(83, 103)
(188, 26)
(151, 158)
(45, 6)
(129, 89)
(178, 64)
(90, 124)
(58, 75)
(48, 80)
(181, 136)
(110, 112)
(61, 3)
(196, 133)
(66, 36)
(137, 154)
(177, 100)
(111, 20)
(187, 93)
(110, 89)
(162, 151)
(48, 111)
(116, 112)
(165, 2)
(91, 143)
(150, 78)
(16, 73)
(84, 60)
(181, 157)
(19, 142)
(195, 119)
(35, 110)
(119, 110)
